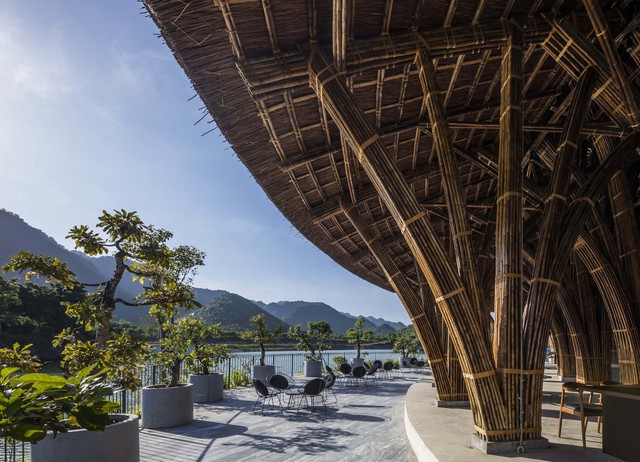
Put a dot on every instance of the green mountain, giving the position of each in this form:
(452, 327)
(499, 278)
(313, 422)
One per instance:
(233, 312)
(301, 312)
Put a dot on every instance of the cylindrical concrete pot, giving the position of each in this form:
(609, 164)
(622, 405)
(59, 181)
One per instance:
(119, 442)
(357, 362)
(207, 388)
(313, 368)
(167, 407)
(263, 373)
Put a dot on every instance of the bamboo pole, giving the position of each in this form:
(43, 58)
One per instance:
(451, 296)
(407, 295)
(507, 338)
(453, 190)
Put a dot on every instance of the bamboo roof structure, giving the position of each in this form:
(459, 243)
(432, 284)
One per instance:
(294, 150)
(471, 155)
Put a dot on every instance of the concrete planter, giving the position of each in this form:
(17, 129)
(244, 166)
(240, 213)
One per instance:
(357, 362)
(207, 388)
(167, 407)
(263, 373)
(313, 368)
(119, 442)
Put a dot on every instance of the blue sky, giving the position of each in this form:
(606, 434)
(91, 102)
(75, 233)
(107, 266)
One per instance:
(95, 114)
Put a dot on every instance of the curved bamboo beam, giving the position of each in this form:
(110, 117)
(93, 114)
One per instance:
(407, 295)
(451, 296)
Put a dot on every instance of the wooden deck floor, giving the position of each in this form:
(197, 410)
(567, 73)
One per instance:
(367, 424)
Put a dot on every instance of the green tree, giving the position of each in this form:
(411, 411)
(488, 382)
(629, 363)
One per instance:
(312, 339)
(140, 250)
(405, 344)
(358, 334)
(261, 335)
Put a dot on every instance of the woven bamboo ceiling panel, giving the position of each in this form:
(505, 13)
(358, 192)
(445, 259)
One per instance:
(246, 61)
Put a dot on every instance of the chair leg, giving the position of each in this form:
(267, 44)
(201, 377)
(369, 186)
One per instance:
(599, 422)
(560, 425)
(584, 433)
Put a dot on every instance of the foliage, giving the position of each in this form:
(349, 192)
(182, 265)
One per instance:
(121, 358)
(138, 249)
(405, 344)
(203, 356)
(312, 339)
(19, 357)
(358, 335)
(339, 360)
(31, 309)
(261, 335)
(32, 404)
(183, 341)
(240, 378)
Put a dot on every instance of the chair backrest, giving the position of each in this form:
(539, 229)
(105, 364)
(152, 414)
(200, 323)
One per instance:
(260, 387)
(388, 366)
(378, 362)
(345, 368)
(413, 361)
(329, 380)
(314, 387)
(420, 363)
(279, 381)
(359, 371)
(329, 370)
(372, 370)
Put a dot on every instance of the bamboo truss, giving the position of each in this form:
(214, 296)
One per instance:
(469, 163)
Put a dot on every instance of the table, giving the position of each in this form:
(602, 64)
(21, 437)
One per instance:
(620, 419)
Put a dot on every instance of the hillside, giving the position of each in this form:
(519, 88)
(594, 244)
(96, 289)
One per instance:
(233, 312)
(301, 312)
(379, 322)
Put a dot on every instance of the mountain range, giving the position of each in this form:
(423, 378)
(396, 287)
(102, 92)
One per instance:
(231, 310)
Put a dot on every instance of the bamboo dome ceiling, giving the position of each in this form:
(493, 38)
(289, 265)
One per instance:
(248, 61)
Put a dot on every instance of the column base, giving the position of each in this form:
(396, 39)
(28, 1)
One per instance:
(501, 447)
(452, 404)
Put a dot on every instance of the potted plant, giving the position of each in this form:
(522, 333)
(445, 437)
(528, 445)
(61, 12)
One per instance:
(171, 403)
(207, 384)
(358, 335)
(311, 340)
(66, 419)
(262, 335)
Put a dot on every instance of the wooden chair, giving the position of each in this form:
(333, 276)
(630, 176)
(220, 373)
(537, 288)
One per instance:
(580, 409)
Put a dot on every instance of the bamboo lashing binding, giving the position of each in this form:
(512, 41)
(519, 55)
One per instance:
(411, 220)
(479, 375)
(450, 294)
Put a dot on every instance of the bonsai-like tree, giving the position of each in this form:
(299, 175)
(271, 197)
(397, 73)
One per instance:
(204, 356)
(405, 344)
(358, 335)
(312, 339)
(261, 335)
(139, 250)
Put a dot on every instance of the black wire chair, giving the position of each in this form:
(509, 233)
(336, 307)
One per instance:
(311, 391)
(371, 375)
(264, 395)
(329, 382)
(358, 376)
(345, 374)
(279, 383)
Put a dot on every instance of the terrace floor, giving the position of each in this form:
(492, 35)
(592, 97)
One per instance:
(367, 424)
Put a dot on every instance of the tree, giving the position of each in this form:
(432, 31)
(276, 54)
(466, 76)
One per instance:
(405, 344)
(312, 339)
(358, 334)
(139, 250)
(261, 335)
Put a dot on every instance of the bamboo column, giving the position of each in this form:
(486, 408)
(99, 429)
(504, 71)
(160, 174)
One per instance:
(453, 191)
(414, 306)
(507, 337)
(445, 283)
(565, 359)
(553, 253)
